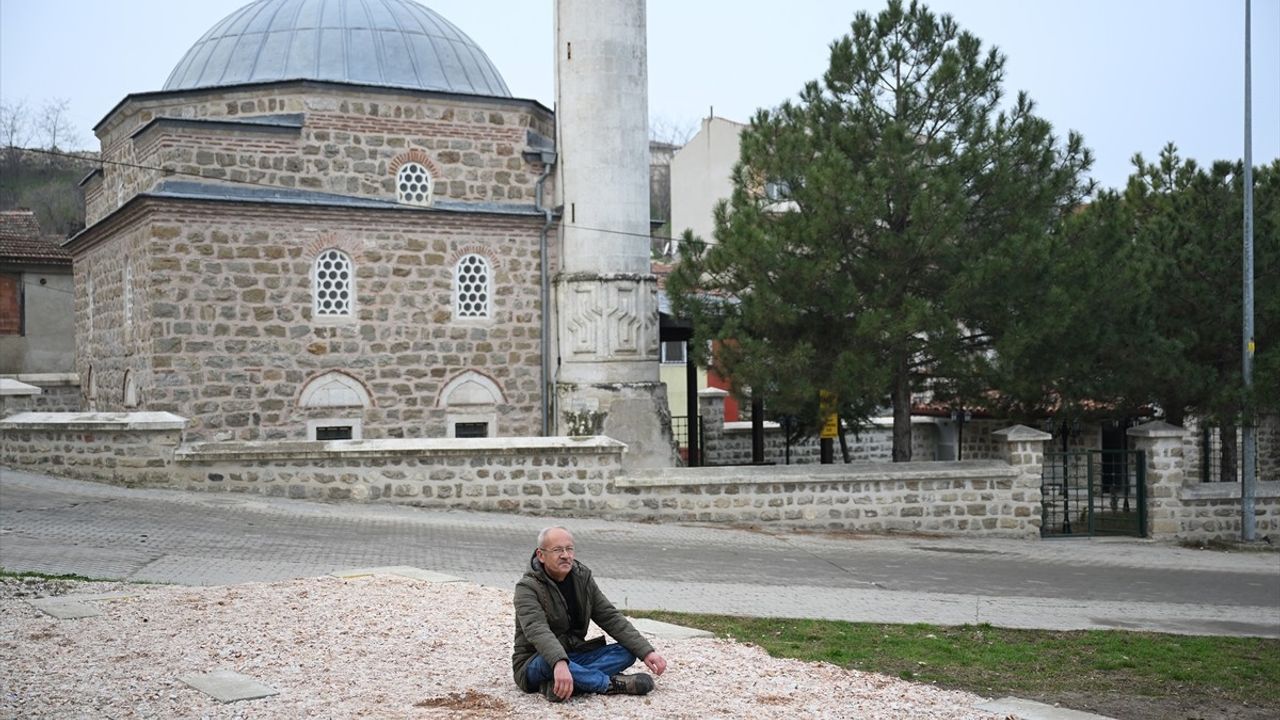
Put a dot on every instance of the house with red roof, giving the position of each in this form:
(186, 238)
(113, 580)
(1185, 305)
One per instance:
(37, 299)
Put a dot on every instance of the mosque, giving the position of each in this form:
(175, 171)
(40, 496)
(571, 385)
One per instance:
(334, 221)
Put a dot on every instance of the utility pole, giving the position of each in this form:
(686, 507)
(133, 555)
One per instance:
(1247, 481)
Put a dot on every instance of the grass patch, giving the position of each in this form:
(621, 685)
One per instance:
(45, 576)
(996, 661)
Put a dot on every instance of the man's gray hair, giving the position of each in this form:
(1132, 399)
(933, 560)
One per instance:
(542, 536)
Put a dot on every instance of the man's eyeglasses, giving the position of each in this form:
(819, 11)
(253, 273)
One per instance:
(558, 550)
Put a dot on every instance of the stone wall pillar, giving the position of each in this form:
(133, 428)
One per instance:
(1024, 450)
(711, 413)
(1162, 446)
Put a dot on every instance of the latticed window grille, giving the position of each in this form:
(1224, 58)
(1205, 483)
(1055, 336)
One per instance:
(1221, 458)
(413, 184)
(472, 282)
(334, 284)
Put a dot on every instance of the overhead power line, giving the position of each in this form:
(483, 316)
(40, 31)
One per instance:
(252, 183)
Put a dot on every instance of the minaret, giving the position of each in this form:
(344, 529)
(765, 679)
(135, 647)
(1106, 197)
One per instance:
(605, 293)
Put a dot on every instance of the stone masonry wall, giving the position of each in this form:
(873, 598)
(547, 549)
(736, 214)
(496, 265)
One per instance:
(575, 477)
(348, 145)
(1180, 506)
(59, 393)
(109, 345)
(224, 332)
(977, 442)
(530, 475)
(964, 498)
(1268, 439)
(90, 446)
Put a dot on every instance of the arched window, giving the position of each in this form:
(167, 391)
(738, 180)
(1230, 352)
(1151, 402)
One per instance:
(331, 391)
(471, 402)
(333, 285)
(472, 287)
(413, 184)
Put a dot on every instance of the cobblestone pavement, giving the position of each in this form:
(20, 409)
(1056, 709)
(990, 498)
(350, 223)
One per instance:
(59, 526)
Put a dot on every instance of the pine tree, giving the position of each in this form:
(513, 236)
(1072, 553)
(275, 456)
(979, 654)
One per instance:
(881, 224)
(1189, 221)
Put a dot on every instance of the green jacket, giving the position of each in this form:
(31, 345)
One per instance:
(542, 620)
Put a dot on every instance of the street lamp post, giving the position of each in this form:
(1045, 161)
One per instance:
(1247, 528)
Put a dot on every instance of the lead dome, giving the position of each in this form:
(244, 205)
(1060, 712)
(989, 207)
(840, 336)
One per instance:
(391, 43)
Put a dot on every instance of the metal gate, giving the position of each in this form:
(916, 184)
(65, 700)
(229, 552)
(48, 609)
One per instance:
(1094, 492)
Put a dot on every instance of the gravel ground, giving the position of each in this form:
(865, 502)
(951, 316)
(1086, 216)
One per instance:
(378, 647)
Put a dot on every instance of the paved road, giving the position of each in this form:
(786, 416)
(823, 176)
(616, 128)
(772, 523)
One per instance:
(63, 526)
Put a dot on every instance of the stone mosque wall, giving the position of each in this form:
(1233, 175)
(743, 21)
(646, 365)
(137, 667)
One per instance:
(348, 142)
(223, 330)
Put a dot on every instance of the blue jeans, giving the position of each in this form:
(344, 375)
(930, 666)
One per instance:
(591, 670)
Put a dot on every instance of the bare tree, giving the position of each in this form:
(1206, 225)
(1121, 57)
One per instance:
(15, 131)
(663, 129)
(55, 123)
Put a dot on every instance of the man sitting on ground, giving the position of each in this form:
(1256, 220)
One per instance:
(555, 601)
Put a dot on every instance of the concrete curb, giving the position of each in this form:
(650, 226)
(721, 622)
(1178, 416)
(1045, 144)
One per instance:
(1032, 710)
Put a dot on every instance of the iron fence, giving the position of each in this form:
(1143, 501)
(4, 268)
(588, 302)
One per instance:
(1093, 492)
(680, 431)
(1219, 461)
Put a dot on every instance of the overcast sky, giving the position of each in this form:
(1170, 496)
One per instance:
(1130, 75)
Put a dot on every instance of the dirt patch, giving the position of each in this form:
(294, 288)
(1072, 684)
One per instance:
(468, 701)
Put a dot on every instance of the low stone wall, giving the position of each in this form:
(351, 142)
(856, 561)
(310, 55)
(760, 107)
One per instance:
(119, 448)
(533, 475)
(982, 497)
(55, 392)
(1212, 511)
(1180, 506)
(583, 477)
(567, 477)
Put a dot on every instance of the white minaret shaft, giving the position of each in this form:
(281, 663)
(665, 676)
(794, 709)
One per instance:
(605, 294)
(602, 112)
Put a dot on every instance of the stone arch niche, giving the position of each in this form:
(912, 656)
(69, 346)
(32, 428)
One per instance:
(470, 401)
(346, 398)
(130, 391)
(90, 390)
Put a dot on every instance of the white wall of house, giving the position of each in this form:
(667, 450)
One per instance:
(47, 343)
(701, 176)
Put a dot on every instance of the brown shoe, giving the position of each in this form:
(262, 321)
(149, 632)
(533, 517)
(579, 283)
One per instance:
(636, 684)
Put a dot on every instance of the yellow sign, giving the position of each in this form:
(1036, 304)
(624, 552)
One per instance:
(831, 423)
(831, 428)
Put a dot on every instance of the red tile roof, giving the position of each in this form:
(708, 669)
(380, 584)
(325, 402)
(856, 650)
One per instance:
(21, 241)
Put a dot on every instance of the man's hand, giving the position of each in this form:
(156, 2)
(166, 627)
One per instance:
(655, 663)
(564, 680)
